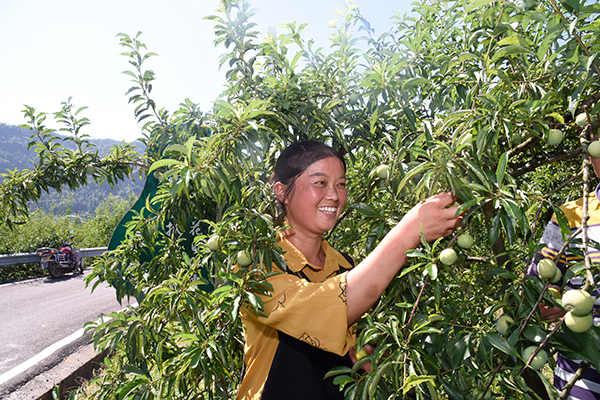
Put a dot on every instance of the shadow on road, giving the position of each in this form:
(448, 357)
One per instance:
(66, 277)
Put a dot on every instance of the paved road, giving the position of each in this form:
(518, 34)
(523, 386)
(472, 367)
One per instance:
(37, 314)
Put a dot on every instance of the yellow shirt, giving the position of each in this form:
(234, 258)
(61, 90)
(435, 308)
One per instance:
(307, 303)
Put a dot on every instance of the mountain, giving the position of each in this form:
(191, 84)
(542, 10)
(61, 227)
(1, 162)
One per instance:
(14, 154)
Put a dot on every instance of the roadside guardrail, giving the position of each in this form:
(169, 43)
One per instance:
(25, 258)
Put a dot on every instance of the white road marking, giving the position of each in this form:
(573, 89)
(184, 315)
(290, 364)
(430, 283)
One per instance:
(48, 351)
(24, 366)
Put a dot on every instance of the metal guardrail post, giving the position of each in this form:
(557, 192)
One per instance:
(25, 258)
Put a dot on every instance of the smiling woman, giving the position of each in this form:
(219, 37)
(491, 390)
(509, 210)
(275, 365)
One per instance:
(313, 198)
(307, 328)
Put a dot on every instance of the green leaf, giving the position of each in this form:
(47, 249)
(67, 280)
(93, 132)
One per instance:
(502, 273)
(178, 148)
(365, 209)
(342, 380)
(163, 163)
(513, 40)
(563, 223)
(494, 233)
(511, 208)
(573, 270)
(557, 117)
(509, 51)
(411, 174)
(415, 253)
(460, 350)
(534, 334)
(580, 346)
(501, 344)
(415, 380)
(476, 4)
(413, 82)
(501, 169)
(432, 270)
(374, 379)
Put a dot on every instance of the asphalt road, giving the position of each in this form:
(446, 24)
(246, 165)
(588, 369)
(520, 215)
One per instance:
(37, 314)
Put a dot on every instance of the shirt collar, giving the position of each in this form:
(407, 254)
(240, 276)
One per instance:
(296, 261)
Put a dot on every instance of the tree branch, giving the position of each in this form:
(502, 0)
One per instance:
(539, 161)
(576, 376)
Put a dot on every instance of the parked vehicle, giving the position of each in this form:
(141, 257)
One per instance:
(60, 261)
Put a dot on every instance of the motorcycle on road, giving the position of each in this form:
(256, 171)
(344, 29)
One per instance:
(60, 261)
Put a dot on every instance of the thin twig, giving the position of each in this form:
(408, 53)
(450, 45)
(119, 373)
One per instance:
(584, 225)
(414, 309)
(493, 376)
(533, 310)
(576, 376)
(554, 330)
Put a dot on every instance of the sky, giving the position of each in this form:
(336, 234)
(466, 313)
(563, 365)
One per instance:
(52, 50)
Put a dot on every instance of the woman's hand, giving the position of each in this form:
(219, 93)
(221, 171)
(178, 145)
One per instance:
(434, 216)
(369, 349)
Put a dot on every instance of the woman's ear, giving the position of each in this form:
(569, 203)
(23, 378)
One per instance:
(279, 189)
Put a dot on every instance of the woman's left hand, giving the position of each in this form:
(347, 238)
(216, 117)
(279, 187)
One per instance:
(369, 349)
(434, 216)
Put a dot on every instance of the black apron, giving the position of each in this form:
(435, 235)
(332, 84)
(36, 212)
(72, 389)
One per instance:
(298, 368)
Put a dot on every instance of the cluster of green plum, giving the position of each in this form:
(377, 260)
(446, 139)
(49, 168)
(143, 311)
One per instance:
(449, 256)
(242, 257)
(578, 304)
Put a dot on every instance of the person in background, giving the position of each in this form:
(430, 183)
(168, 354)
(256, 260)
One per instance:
(307, 329)
(588, 388)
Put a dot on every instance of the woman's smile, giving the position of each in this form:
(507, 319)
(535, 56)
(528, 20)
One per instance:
(328, 210)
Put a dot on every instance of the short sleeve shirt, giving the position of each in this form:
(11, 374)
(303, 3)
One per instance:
(307, 310)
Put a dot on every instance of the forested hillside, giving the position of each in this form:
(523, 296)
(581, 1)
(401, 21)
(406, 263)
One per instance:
(15, 155)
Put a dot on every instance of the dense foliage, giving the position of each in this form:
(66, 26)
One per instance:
(460, 97)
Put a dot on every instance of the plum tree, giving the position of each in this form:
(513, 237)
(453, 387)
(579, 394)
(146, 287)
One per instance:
(504, 74)
(554, 137)
(243, 258)
(465, 241)
(361, 353)
(448, 256)
(503, 323)
(594, 149)
(383, 171)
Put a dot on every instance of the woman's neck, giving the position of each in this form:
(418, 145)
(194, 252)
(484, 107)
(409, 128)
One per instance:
(310, 246)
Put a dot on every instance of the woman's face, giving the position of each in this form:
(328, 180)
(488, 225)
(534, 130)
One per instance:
(318, 197)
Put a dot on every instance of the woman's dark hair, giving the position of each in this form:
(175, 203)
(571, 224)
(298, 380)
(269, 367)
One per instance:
(295, 159)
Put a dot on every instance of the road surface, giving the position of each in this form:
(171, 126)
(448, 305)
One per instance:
(44, 316)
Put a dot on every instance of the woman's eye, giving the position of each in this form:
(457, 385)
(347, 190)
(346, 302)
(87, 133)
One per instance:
(343, 184)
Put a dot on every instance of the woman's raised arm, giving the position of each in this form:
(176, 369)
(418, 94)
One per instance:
(367, 281)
